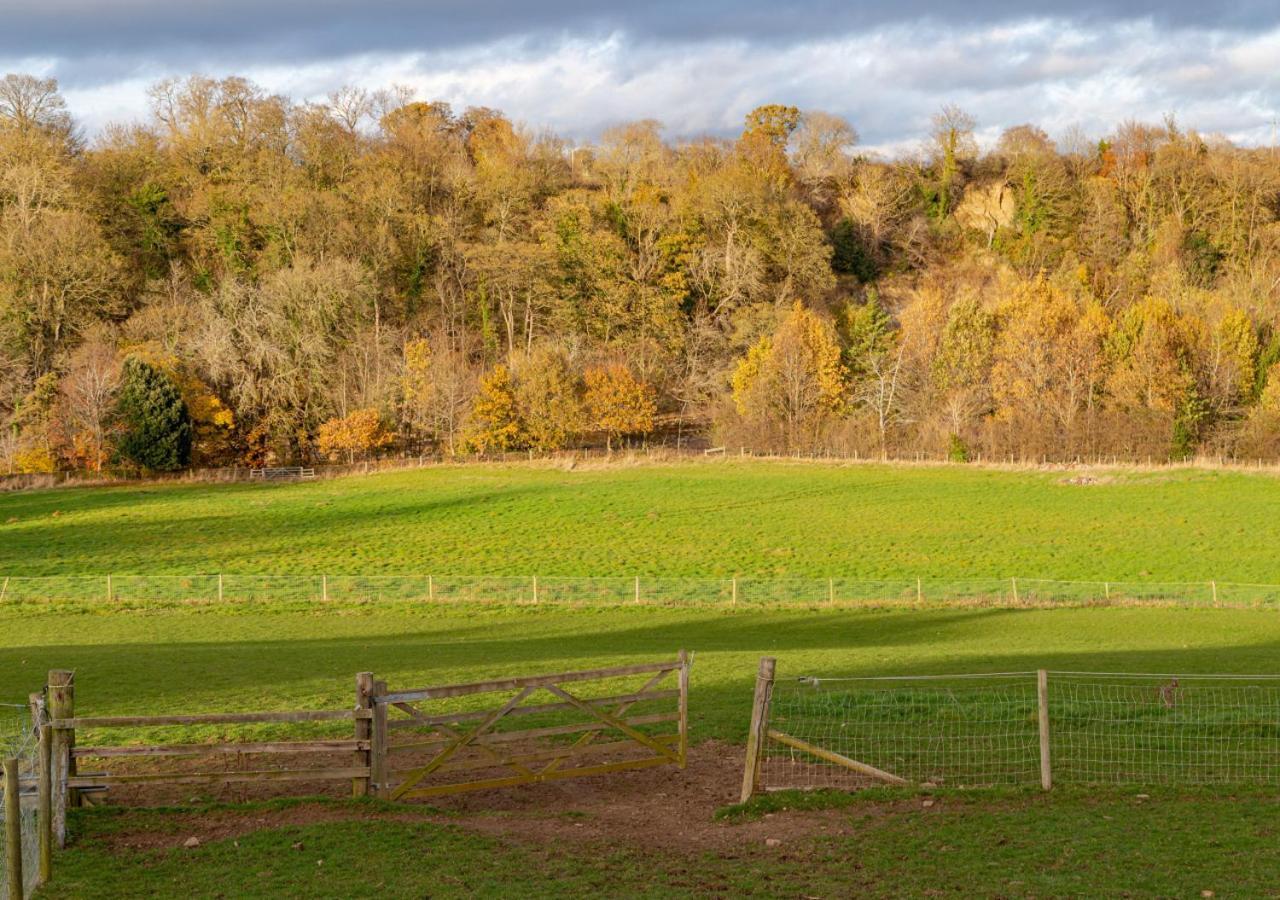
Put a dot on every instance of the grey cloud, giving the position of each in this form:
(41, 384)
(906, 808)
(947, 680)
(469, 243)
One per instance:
(300, 30)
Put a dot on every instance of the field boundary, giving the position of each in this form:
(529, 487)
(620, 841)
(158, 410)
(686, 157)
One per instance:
(654, 453)
(125, 590)
(1011, 729)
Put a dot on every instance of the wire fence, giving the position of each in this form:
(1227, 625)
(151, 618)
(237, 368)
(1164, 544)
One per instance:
(985, 730)
(150, 590)
(20, 740)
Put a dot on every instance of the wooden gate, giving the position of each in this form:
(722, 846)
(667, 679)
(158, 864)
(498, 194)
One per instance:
(544, 728)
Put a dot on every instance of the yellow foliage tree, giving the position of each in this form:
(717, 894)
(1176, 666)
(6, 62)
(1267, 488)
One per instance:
(361, 432)
(618, 403)
(495, 416)
(792, 378)
(547, 393)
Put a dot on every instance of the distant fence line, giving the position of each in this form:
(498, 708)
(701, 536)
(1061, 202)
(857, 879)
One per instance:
(655, 451)
(230, 588)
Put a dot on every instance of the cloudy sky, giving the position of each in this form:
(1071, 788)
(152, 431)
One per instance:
(578, 66)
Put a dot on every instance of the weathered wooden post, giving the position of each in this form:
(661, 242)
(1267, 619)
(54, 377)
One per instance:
(364, 732)
(12, 830)
(757, 736)
(1014, 582)
(1042, 698)
(378, 742)
(44, 789)
(61, 699)
(44, 812)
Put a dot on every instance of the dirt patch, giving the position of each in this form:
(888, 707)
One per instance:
(661, 809)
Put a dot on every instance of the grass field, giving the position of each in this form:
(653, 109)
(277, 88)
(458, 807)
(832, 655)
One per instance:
(721, 519)
(702, 519)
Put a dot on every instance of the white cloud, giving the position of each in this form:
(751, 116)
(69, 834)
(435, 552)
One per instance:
(887, 81)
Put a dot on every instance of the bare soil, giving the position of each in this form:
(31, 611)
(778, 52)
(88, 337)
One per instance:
(662, 809)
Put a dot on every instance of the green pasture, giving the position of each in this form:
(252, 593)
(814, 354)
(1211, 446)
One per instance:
(762, 519)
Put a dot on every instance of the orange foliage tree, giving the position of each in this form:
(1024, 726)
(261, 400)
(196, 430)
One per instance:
(618, 403)
(361, 432)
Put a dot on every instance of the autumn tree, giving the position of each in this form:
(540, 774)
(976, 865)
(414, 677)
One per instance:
(494, 424)
(358, 434)
(549, 397)
(792, 378)
(617, 403)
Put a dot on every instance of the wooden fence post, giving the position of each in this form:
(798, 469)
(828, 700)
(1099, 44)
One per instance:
(44, 811)
(324, 588)
(431, 588)
(12, 830)
(1042, 698)
(637, 589)
(108, 588)
(44, 790)
(831, 590)
(219, 587)
(364, 732)
(61, 697)
(378, 743)
(1014, 582)
(734, 600)
(756, 737)
(919, 592)
(1214, 585)
(683, 656)
(535, 588)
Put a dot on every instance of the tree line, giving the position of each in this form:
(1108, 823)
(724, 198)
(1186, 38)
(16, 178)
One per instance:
(244, 279)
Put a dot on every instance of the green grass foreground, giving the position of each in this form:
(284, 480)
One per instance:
(713, 519)
(1015, 845)
(690, 519)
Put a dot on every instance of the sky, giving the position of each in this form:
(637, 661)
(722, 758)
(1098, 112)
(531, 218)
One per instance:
(578, 66)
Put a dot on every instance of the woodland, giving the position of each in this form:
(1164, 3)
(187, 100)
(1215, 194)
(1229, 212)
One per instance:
(246, 279)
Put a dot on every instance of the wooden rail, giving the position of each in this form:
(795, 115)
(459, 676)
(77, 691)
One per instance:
(470, 741)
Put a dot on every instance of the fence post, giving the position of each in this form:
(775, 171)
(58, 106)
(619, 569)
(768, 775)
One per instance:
(1106, 590)
(364, 732)
(1014, 582)
(44, 790)
(831, 591)
(919, 592)
(1214, 585)
(61, 694)
(1042, 700)
(431, 588)
(535, 588)
(683, 656)
(219, 587)
(324, 588)
(734, 599)
(108, 588)
(378, 743)
(44, 810)
(4, 589)
(758, 734)
(12, 830)
(637, 589)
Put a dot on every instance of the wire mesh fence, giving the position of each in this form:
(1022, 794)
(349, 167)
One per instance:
(229, 588)
(19, 740)
(985, 730)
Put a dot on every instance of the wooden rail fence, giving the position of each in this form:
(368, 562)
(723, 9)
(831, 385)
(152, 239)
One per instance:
(487, 748)
(402, 742)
